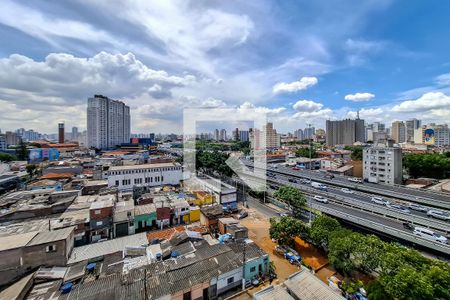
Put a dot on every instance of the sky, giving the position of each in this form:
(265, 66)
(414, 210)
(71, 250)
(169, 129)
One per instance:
(297, 61)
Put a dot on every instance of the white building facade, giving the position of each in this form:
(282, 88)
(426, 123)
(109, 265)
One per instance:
(108, 122)
(125, 177)
(383, 164)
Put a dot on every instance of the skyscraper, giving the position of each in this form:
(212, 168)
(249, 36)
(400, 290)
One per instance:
(344, 132)
(61, 133)
(412, 125)
(243, 135)
(74, 133)
(398, 132)
(223, 135)
(108, 122)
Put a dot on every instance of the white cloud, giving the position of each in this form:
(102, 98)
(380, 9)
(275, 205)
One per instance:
(317, 116)
(359, 97)
(307, 106)
(443, 79)
(302, 84)
(367, 113)
(428, 101)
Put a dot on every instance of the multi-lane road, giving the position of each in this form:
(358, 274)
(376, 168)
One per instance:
(357, 207)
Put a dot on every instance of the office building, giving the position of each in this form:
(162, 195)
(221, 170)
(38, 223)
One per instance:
(74, 133)
(398, 132)
(236, 134)
(382, 163)
(158, 174)
(244, 135)
(216, 134)
(432, 134)
(267, 137)
(411, 126)
(298, 134)
(12, 138)
(108, 122)
(61, 133)
(344, 132)
(308, 133)
(223, 135)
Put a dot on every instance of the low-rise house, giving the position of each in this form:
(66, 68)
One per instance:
(163, 211)
(256, 260)
(144, 217)
(224, 222)
(210, 215)
(123, 219)
(100, 222)
(194, 215)
(304, 285)
(180, 208)
(46, 184)
(272, 292)
(78, 219)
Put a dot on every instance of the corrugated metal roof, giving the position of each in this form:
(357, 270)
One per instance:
(103, 248)
(305, 286)
(16, 241)
(145, 209)
(51, 236)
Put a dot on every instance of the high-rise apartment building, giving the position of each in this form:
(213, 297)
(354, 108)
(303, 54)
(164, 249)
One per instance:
(398, 132)
(216, 135)
(411, 126)
(223, 135)
(244, 135)
(61, 138)
(299, 134)
(344, 132)
(12, 138)
(382, 163)
(432, 134)
(308, 133)
(74, 133)
(236, 134)
(3, 145)
(267, 137)
(108, 122)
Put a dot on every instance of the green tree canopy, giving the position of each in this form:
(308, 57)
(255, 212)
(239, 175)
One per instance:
(291, 196)
(431, 165)
(321, 228)
(285, 229)
(304, 152)
(357, 152)
(7, 157)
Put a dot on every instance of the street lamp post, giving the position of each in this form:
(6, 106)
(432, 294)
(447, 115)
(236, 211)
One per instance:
(310, 169)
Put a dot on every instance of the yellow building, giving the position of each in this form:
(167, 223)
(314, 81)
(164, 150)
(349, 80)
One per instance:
(202, 198)
(194, 215)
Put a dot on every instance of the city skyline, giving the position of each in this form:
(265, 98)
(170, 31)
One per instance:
(388, 73)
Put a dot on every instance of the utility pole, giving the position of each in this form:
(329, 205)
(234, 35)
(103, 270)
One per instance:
(243, 264)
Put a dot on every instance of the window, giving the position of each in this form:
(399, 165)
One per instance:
(97, 211)
(230, 280)
(99, 223)
(117, 182)
(252, 269)
(50, 248)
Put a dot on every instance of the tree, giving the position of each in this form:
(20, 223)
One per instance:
(432, 165)
(367, 253)
(291, 196)
(7, 157)
(321, 229)
(408, 283)
(304, 152)
(285, 229)
(340, 249)
(375, 291)
(22, 152)
(31, 169)
(357, 152)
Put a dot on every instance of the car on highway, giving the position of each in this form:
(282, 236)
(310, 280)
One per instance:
(379, 200)
(430, 235)
(355, 179)
(296, 168)
(292, 180)
(329, 176)
(417, 207)
(408, 225)
(399, 207)
(320, 199)
(439, 215)
(347, 191)
(274, 187)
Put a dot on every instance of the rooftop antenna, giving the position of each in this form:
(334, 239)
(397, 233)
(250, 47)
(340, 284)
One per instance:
(357, 114)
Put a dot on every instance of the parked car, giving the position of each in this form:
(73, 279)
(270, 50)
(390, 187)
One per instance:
(293, 258)
(379, 200)
(430, 235)
(347, 191)
(320, 199)
(283, 214)
(280, 250)
(408, 225)
(417, 207)
(242, 215)
(439, 215)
